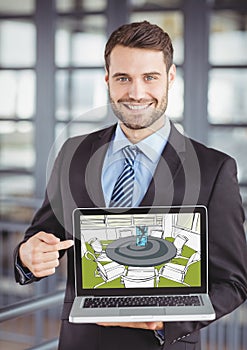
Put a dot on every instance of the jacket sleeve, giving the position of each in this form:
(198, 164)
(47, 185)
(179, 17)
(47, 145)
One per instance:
(49, 218)
(227, 252)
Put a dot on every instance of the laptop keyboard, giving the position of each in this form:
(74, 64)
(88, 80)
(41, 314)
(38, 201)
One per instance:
(104, 302)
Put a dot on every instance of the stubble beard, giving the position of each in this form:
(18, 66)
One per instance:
(137, 122)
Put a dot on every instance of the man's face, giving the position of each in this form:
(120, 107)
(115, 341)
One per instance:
(138, 86)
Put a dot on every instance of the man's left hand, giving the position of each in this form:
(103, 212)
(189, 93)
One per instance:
(153, 326)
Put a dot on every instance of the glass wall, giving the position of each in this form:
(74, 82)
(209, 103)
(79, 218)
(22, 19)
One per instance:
(17, 107)
(227, 93)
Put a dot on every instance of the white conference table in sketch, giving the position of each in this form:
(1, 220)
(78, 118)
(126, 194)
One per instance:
(125, 251)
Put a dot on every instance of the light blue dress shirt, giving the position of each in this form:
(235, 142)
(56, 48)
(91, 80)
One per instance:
(145, 164)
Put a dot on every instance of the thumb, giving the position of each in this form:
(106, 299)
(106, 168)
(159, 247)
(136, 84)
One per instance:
(155, 325)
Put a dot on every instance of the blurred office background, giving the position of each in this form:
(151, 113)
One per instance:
(52, 87)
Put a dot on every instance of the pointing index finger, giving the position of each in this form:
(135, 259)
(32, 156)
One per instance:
(65, 244)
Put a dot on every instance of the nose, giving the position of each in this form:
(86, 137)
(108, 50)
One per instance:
(137, 90)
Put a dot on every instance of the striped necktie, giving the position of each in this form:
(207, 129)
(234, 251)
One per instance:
(123, 189)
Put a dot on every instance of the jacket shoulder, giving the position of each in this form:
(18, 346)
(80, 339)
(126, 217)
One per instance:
(92, 135)
(209, 154)
(196, 150)
(84, 142)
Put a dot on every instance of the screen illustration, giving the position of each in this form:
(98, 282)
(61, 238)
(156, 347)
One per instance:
(140, 250)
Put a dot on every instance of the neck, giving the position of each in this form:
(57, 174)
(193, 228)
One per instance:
(136, 135)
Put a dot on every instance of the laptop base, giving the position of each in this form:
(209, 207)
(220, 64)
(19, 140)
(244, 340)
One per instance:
(80, 314)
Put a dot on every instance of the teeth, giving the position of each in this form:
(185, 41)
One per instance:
(137, 107)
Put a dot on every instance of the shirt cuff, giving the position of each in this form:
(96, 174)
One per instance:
(160, 335)
(23, 274)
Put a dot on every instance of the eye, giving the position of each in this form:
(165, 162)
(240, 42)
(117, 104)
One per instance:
(122, 79)
(150, 77)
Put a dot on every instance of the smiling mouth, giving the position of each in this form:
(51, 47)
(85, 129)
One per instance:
(137, 107)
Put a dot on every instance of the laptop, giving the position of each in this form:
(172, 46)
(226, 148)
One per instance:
(141, 264)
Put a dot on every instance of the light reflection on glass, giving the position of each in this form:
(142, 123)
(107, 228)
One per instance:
(227, 44)
(227, 96)
(17, 44)
(17, 91)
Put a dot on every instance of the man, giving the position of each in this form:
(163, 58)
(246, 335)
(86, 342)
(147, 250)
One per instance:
(170, 169)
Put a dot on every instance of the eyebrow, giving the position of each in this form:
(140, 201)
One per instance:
(118, 74)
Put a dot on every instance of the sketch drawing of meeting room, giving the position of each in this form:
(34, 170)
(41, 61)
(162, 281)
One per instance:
(140, 250)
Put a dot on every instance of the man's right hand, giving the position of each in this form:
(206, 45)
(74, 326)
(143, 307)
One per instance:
(40, 253)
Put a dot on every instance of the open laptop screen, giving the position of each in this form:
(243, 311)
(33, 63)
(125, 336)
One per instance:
(141, 249)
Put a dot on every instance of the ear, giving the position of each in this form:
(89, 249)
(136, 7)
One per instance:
(171, 75)
(106, 77)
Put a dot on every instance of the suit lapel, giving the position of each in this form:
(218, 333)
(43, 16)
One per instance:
(95, 166)
(86, 168)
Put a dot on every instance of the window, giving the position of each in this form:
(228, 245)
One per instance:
(227, 94)
(17, 108)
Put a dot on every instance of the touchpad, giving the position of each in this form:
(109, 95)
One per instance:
(141, 312)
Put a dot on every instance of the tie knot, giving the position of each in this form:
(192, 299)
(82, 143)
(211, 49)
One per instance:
(130, 153)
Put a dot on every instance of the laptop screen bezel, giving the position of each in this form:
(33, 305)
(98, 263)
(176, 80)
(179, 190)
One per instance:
(80, 291)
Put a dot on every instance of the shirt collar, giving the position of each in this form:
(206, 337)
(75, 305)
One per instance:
(152, 146)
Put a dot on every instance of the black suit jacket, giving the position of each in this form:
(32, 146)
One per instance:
(187, 173)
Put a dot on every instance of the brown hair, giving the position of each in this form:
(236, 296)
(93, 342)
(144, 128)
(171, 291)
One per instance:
(141, 35)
